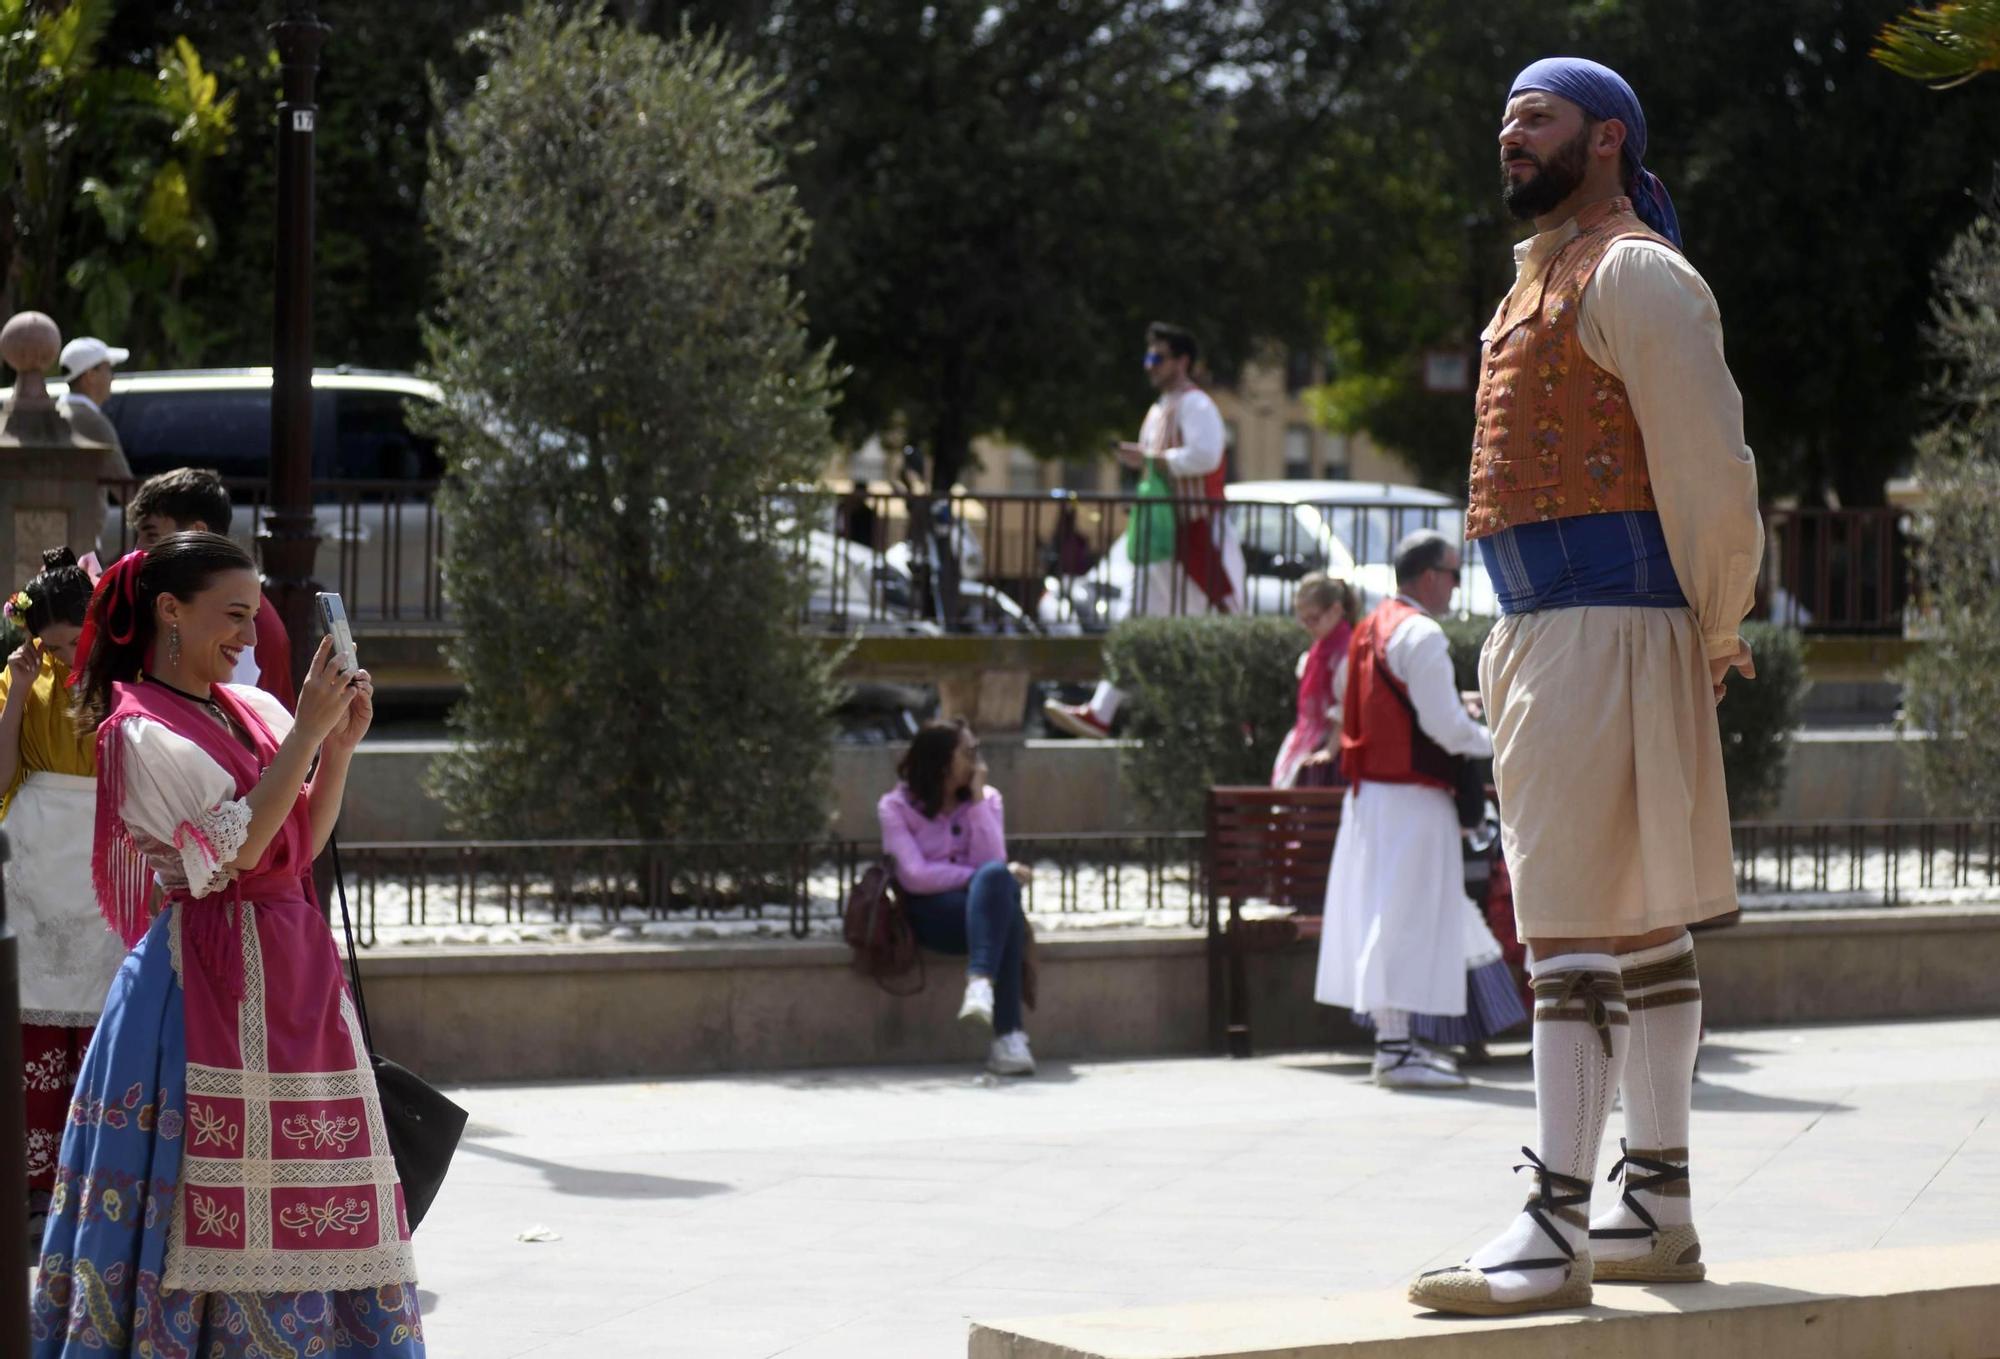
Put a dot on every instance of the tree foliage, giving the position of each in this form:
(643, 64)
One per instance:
(1952, 686)
(630, 372)
(1943, 45)
(103, 156)
(1784, 147)
(1008, 192)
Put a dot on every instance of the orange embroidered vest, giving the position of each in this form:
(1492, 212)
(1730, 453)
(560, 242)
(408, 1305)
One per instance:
(1555, 436)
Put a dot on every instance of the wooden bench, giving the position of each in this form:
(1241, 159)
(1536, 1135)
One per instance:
(1272, 845)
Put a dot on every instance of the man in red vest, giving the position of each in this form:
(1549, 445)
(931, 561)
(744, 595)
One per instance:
(1185, 433)
(1400, 934)
(1615, 506)
(193, 499)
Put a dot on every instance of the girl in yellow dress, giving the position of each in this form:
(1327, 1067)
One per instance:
(49, 773)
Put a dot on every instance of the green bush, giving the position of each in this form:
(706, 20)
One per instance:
(630, 376)
(1758, 718)
(1466, 636)
(1951, 687)
(1211, 701)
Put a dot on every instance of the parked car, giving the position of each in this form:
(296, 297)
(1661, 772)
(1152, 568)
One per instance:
(373, 474)
(1289, 529)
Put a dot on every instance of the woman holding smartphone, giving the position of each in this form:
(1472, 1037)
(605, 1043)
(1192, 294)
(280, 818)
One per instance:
(946, 833)
(225, 1186)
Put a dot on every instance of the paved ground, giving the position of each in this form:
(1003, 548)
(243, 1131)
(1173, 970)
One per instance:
(868, 1214)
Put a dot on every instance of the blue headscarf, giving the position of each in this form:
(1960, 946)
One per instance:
(1602, 93)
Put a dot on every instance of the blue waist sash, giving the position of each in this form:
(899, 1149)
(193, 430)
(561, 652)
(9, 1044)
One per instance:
(1603, 559)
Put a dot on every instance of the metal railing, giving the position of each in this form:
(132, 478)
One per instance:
(1152, 879)
(1837, 570)
(796, 886)
(381, 542)
(1891, 861)
(1057, 562)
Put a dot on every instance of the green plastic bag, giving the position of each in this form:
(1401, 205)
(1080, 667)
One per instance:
(1149, 537)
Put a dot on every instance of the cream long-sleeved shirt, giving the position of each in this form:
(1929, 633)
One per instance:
(1204, 439)
(1649, 320)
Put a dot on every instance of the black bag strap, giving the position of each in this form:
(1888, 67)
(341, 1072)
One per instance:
(353, 958)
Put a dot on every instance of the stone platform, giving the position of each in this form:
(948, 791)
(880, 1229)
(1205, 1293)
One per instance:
(1930, 1303)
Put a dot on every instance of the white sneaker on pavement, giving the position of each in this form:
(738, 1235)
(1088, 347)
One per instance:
(977, 1007)
(1405, 1066)
(1010, 1056)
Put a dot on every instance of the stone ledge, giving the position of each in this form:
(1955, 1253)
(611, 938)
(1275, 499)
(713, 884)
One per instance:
(530, 1012)
(1934, 1302)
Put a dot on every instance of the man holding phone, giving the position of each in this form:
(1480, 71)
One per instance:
(1184, 432)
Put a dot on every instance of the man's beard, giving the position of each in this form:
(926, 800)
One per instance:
(1553, 181)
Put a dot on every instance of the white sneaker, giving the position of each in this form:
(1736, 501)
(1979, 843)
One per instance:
(1404, 1066)
(977, 1007)
(1010, 1056)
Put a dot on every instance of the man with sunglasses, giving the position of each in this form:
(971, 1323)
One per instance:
(1205, 574)
(1400, 934)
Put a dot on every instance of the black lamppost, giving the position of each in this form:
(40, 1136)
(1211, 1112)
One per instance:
(289, 543)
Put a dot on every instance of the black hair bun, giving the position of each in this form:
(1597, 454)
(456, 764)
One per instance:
(55, 558)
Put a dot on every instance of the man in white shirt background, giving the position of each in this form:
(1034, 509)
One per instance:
(1400, 935)
(1205, 574)
(86, 366)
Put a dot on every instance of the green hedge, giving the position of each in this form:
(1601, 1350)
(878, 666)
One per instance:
(1212, 699)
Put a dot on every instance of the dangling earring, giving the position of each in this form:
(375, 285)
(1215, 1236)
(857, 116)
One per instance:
(174, 646)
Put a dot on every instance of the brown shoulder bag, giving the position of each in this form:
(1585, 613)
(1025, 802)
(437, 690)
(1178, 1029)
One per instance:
(878, 930)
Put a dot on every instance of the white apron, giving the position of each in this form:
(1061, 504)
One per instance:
(68, 954)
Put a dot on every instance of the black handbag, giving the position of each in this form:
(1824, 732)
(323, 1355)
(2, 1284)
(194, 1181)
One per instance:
(423, 1126)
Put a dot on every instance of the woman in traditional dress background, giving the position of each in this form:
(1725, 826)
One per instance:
(225, 1187)
(48, 771)
(1327, 609)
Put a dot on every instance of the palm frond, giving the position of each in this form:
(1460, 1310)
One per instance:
(1943, 45)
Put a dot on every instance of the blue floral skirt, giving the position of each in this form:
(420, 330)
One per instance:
(98, 1292)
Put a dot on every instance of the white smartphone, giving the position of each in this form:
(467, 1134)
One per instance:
(333, 621)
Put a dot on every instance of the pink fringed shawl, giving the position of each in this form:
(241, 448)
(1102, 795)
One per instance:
(119, 869)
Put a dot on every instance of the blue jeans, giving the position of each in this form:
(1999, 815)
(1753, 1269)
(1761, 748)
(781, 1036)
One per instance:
(983, 921)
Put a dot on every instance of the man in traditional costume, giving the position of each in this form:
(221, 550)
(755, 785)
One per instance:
(1205, 574)
(1615, 505)
(1402, 945)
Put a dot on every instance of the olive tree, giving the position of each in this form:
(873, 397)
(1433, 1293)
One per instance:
(1952, 686)
(628, 377)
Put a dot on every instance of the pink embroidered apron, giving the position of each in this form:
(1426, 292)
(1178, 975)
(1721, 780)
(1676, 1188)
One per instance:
(287, 1180)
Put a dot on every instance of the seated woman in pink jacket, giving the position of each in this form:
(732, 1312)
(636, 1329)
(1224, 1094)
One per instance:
(946, 831)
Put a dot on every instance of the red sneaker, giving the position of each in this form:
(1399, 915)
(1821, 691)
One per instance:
(1076, 719)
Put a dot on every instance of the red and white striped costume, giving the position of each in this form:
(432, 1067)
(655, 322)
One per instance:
(1184, 431)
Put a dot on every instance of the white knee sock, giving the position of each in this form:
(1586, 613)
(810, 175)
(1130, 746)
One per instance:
(1104, 703)
(1580, 1039)
(1663, 993)
(1391, 1026)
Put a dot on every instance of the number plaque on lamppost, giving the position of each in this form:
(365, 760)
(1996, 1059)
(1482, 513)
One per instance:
(289, 541)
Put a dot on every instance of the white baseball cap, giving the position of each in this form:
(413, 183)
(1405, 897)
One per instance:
(86, 352)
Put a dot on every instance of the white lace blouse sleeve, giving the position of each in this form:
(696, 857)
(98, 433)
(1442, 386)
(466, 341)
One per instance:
(181, 804)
